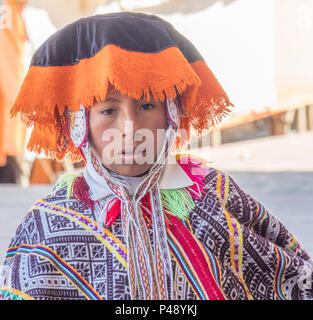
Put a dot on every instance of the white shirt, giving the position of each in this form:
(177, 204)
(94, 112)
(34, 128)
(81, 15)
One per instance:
(172, 177)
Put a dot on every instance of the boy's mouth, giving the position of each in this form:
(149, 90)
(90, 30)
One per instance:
(132, 155)
(132, 151)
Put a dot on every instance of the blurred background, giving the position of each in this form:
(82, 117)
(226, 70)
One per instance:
(261, 51)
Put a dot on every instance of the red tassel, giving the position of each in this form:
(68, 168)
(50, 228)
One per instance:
(114, 211)
(81, 192)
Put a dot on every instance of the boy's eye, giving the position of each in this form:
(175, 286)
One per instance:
(107, 112)
(147, 106)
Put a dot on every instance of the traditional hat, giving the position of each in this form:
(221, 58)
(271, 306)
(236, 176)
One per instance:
(139, 54)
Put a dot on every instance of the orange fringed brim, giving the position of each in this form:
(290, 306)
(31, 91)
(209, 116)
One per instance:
(210, 106)
(44, 140)
(137, 74)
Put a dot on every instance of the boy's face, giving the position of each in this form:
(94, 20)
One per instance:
(127, 134)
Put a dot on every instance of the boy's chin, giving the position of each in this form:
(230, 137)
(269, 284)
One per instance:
(131, 170)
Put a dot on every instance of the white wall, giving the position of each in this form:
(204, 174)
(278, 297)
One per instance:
(294, 52)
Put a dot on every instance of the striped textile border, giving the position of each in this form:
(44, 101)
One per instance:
(260, 215)
(236, 249)
(187, 269)
(64, 268)
(194, 262)
(111, 242)
(222, 186)
(279, 274)
(14, 294)
(213, 264)
(235, 243)
(211, 259)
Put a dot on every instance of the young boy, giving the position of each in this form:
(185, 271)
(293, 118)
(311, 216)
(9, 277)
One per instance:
(123, 91)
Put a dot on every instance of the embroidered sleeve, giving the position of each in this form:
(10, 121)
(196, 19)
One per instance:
(264, 269)
(253, 214)
(253, 248)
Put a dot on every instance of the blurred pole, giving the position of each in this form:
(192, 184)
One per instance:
(12, 50)
(309, 111)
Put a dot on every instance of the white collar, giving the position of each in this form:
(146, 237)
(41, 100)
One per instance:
(172, 177)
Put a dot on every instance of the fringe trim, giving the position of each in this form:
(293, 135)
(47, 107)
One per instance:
(148, 74)
(162, 75)
(44, 140)
(66, 180)
(114, 211)
(77, 188)
(177, 202)
(81, 192)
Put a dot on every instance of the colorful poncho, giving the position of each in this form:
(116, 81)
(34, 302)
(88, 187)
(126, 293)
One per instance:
(58, 252)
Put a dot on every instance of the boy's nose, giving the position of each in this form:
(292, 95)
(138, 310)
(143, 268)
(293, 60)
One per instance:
(130, 124)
